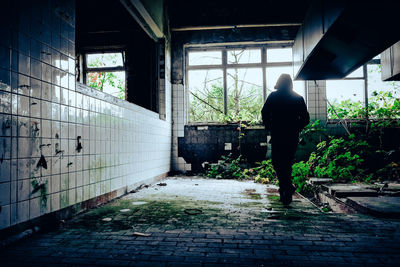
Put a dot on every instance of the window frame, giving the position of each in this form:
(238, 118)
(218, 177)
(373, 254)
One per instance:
(365, 91)
(373, 61)
(86, 70)
(224, 66)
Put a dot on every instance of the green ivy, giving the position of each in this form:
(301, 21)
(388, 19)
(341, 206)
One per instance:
(300, 174)
(227, 168)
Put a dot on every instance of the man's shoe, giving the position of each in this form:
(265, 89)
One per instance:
(286, 198)
(286, 195)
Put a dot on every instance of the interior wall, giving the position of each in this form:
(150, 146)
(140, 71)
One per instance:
(62, 143)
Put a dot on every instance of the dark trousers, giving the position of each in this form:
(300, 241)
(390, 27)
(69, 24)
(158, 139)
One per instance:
(283, 152)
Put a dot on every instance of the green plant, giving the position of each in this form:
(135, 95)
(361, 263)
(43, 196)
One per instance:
(381, 105)
(311, 131)
(227, 168)
(337, 158)
(346, 109)
(264, 172)
(300, 174)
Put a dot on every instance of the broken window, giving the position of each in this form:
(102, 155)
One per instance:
(245, 93)
(381, 95)
(363, 89)
(106, 72)
(346, 97)
(230, 84)
(206, 95)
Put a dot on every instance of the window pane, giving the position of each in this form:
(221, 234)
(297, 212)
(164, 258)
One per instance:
(112, 83)
(279, 55)
(245, 94)
(206, 95)
(205, 58)
(243, 56)
(105, 60)
(273, 74)
(375, 82)
(381, 94)
(358, 73)
(346, 97)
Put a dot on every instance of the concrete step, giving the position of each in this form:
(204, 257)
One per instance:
(319, 181)
(350, 190)
(382, 206)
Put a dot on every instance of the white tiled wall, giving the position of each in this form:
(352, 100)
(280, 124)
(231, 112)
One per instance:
(316, 100)
(43, 111)
(179, 119)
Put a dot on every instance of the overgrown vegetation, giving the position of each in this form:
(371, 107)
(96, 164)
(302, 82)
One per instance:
(227, 168)
(361, 156)
(230, 168)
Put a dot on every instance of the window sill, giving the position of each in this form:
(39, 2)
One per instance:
(89, 91)
(200, 124)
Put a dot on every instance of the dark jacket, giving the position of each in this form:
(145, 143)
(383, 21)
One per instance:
(284, 114)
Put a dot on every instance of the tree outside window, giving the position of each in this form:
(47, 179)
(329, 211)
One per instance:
(228, 85)
(346, 97)
(106, 72)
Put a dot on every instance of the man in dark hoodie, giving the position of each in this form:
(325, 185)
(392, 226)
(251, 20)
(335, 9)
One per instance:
(284, 115)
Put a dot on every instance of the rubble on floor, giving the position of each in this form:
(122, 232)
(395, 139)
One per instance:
(379, 199)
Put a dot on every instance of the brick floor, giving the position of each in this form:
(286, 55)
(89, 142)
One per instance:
(236, 229)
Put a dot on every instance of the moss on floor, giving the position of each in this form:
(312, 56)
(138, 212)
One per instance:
(273, 197)
(249, 204)
(174, 213)
(252, 194)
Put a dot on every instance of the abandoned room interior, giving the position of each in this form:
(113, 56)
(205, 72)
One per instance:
(131, 133)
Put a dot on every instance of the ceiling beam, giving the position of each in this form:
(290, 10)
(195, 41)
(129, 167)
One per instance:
(223, 27)
(143, 18)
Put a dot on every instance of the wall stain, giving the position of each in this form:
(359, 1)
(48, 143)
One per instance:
(79, 144)
(35, 126)
(43, 145)
(42, 163)
(59, 153)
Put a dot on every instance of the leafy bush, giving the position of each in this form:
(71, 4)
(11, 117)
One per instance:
(381, 105)
(300, 174)
(264, 172)
(337, 159)
(311, 131)
(346, 109)
(227, 168)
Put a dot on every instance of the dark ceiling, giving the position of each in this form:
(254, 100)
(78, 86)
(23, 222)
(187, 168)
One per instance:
(197, 13)
(104, 23)
(103, 15)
